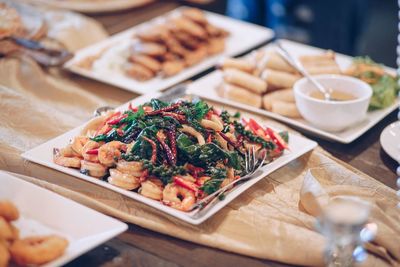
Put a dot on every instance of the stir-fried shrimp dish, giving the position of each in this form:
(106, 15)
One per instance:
(176, 153)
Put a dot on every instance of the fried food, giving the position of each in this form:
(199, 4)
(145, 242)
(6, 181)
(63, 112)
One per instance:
(139, 72)
(170, 68)
(245, 80)
(279, 79)
(6, 232)
(190, 27)
(152, 188)
(195, 15)
(285, 109)
(8, 211)
(123, 180)
(236, 63)
(215, 46)
(285, 95)
(147, 61)
(196, 56)
(156, 33)
(10, 22)
(38, 250)
(150, 49)
(4, 255)
(187, 40)
(239, 94)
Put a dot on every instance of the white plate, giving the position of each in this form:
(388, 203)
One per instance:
(206, 88)
(43, 154)
(390, 140)
(45, 212)
(243, 36)
(92, 6)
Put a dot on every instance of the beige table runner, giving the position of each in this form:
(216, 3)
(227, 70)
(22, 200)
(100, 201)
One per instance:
(271, 220)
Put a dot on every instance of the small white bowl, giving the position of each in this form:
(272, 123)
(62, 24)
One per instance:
(333, 116)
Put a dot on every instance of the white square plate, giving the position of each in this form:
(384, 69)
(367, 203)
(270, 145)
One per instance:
(212, 80)
(45, 212)
(43, 154)
(243, 36)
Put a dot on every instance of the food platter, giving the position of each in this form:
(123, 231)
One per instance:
(58, 216)
(92, 6)
(346, 136)
(235, 45)
(43, 154)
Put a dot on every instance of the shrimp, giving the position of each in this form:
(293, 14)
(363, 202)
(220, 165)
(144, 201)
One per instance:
(94, 169)
(68, 152)
(109, 151)
(78, 143)
(230, 177)
(152, 188)
(134, 168)
(89, 151)
(71, 162)
(123, 180)
(178, 197)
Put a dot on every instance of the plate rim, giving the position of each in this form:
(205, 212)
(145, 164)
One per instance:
(383, 133)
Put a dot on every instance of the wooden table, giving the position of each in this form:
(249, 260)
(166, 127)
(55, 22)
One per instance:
(141, 247)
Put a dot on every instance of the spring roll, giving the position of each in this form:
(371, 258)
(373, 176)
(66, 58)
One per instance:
(245, 80)
(238, 94)
(272, 60)
(235, 63)
(286, 109)
(279, 79)
(285, 95)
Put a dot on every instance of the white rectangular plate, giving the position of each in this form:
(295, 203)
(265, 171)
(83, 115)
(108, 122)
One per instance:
(43, 154)
(243, 36)
(206, 88)
(44, 212)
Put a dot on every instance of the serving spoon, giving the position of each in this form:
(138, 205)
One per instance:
(300, 68)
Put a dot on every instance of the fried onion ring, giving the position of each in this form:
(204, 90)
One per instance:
(38, 250)
(8, 211)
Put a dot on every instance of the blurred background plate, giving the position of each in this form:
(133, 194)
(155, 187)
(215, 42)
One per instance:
(390, 140)
(92, 6)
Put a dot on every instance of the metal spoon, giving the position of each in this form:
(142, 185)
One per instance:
(299, 67)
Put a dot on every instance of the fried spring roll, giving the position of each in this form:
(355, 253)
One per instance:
(279, 79)
(285, 95)
(272, 60)
(238, 94)
(236, 63)
(245, 80)
(286, 109)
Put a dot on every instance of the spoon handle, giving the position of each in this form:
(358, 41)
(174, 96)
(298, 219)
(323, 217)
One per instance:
(299, 67)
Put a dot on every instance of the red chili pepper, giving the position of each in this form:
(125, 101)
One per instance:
(103, 130)
(201, 180)
(161, 110)
(209, 113)
(186, 184)
(134, 109)
(209, 138)
(178, 117)
(153, 149)
(194, 170)
(172, 140)
(120, 132)
(144, 175)
(170, 157)
(92, 152)
(117, 120)
(232, 143)
(278, 140)
(255, 127)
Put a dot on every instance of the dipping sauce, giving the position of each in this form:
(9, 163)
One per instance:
(335, 96)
